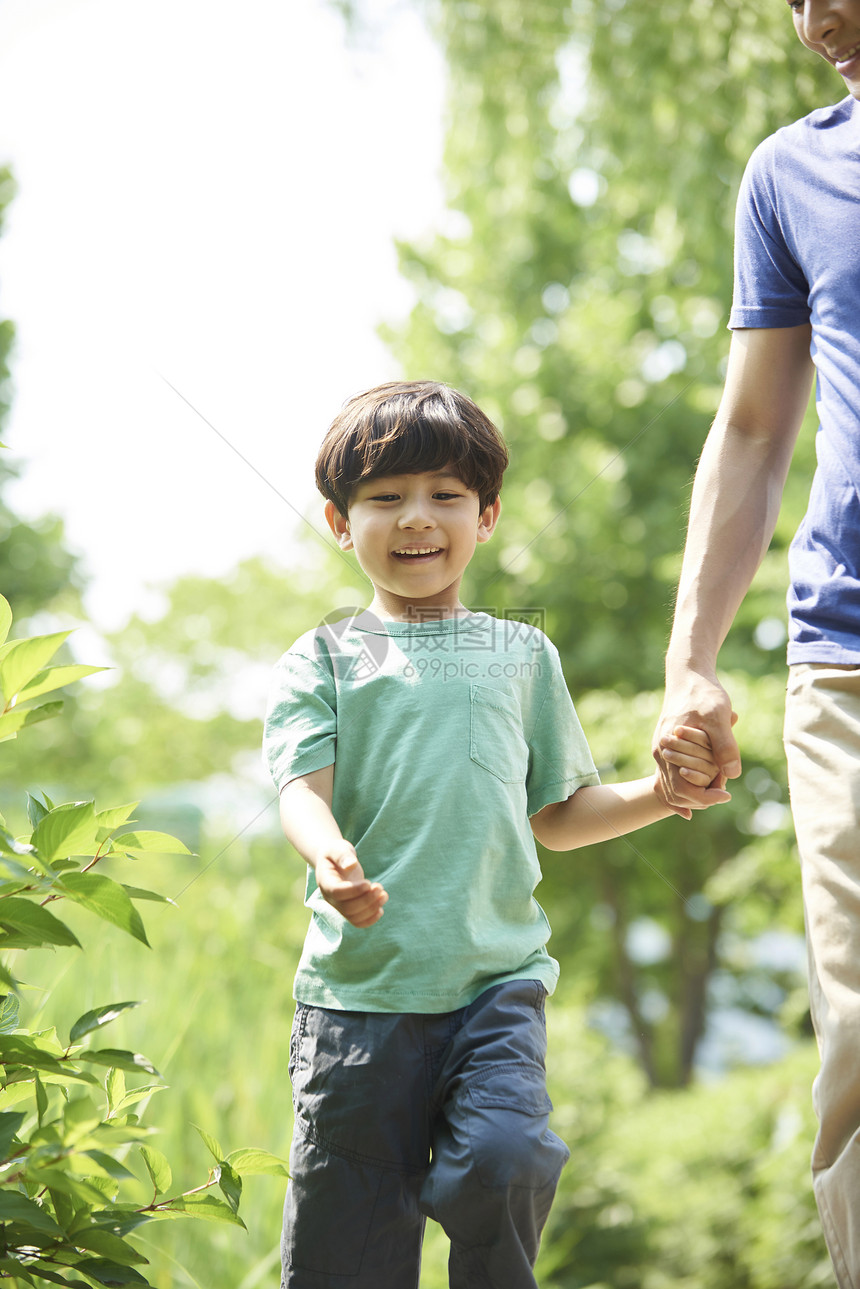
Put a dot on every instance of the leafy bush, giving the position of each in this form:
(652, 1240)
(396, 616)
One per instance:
(68, 1199)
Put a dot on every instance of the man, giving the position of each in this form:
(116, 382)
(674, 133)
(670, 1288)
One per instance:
(796, 311)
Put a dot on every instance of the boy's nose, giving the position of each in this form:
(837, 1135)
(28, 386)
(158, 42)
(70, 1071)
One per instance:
(415, 517)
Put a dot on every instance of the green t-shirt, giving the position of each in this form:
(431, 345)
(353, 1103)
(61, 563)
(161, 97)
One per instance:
(445, 736)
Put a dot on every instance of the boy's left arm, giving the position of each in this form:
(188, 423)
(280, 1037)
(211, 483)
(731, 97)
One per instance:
(598, 813)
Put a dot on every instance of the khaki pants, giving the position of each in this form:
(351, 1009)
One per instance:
(822, 739)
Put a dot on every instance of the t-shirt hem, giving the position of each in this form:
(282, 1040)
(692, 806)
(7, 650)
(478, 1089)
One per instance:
(826, 651)
(295, 770)
(743, 317)
(554, 792)
(418, 1002)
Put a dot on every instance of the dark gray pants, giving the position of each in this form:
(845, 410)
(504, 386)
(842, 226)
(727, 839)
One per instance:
(403, 1117)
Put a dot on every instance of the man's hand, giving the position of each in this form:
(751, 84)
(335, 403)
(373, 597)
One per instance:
(344, 886)
(699, 702)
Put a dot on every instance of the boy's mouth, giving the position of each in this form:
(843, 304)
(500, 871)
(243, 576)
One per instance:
(413, 553)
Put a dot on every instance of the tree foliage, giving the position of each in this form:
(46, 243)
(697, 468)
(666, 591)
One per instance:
(35, 566)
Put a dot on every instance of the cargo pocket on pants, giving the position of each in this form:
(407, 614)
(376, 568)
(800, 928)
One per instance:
(512, 1144)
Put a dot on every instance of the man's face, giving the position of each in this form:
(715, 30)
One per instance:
(831, 28)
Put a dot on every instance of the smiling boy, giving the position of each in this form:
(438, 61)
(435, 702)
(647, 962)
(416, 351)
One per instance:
(418, 749)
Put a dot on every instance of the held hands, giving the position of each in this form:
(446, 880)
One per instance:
(699, 702)
(687, 751)
(343, 884)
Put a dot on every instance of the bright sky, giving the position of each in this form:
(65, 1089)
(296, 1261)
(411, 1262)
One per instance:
(208, 195)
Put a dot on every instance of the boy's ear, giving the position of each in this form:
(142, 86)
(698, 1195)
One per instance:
(488, 519)
(339, 524)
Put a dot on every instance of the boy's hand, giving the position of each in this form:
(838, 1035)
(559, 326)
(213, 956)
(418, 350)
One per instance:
(343, 884)
(690, 750)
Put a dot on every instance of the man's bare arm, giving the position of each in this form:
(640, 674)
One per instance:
(735, 504)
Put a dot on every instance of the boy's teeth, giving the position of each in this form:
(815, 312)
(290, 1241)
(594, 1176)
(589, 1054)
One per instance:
(421, 550)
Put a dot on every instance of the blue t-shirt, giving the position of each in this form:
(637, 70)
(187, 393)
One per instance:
(797, 261)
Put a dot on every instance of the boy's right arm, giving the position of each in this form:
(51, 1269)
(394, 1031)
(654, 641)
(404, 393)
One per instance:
(312, 829)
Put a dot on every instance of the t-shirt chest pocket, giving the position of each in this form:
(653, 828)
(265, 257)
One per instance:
(497, 741)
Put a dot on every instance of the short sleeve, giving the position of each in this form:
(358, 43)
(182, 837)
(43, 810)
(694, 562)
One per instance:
(559, 757)
(770, 288)
(301, 721)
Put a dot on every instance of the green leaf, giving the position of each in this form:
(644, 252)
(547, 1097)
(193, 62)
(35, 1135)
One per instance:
(206, 1206)
(13, 875)
(65, 1210)
(110, 1167)
(14, 1093)
(115, 1089)
(138, 1094)
(12, 722)
(97, 1240)
(41, 1099)
(93, 1020)
(9, 845)
(12, 1265)
(5, 613)
(83, 1191)
(213, 1146)
(36, 923)
(35, 810)
(231, 1185)
(19, 1050)
(158, 1169)
(118, 1059)
(109, 1273)
(15, 1207)
(10, 1122)
(248, 1162)
(44, 1272)
(105, 898)
(25, 658)
(66, 830)
(55, 678)
(143, 843)
(9, 1010)
(135, 893)
(116, 816)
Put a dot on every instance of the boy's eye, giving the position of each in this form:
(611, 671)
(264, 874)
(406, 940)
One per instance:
(446, 496)
(384, 496)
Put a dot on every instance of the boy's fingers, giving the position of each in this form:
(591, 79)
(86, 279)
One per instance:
(699, 778)
(363, 912)
(689, 734)
(356, 900)
(697, 763)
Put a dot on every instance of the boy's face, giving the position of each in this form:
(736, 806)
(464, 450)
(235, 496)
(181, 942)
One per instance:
(831, 28)
(413, 535)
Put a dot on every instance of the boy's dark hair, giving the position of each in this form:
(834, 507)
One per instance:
(407, 427)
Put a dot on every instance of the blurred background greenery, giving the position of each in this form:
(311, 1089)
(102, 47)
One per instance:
(579, 293)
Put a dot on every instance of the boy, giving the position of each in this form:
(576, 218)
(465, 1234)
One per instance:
(417, 747)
